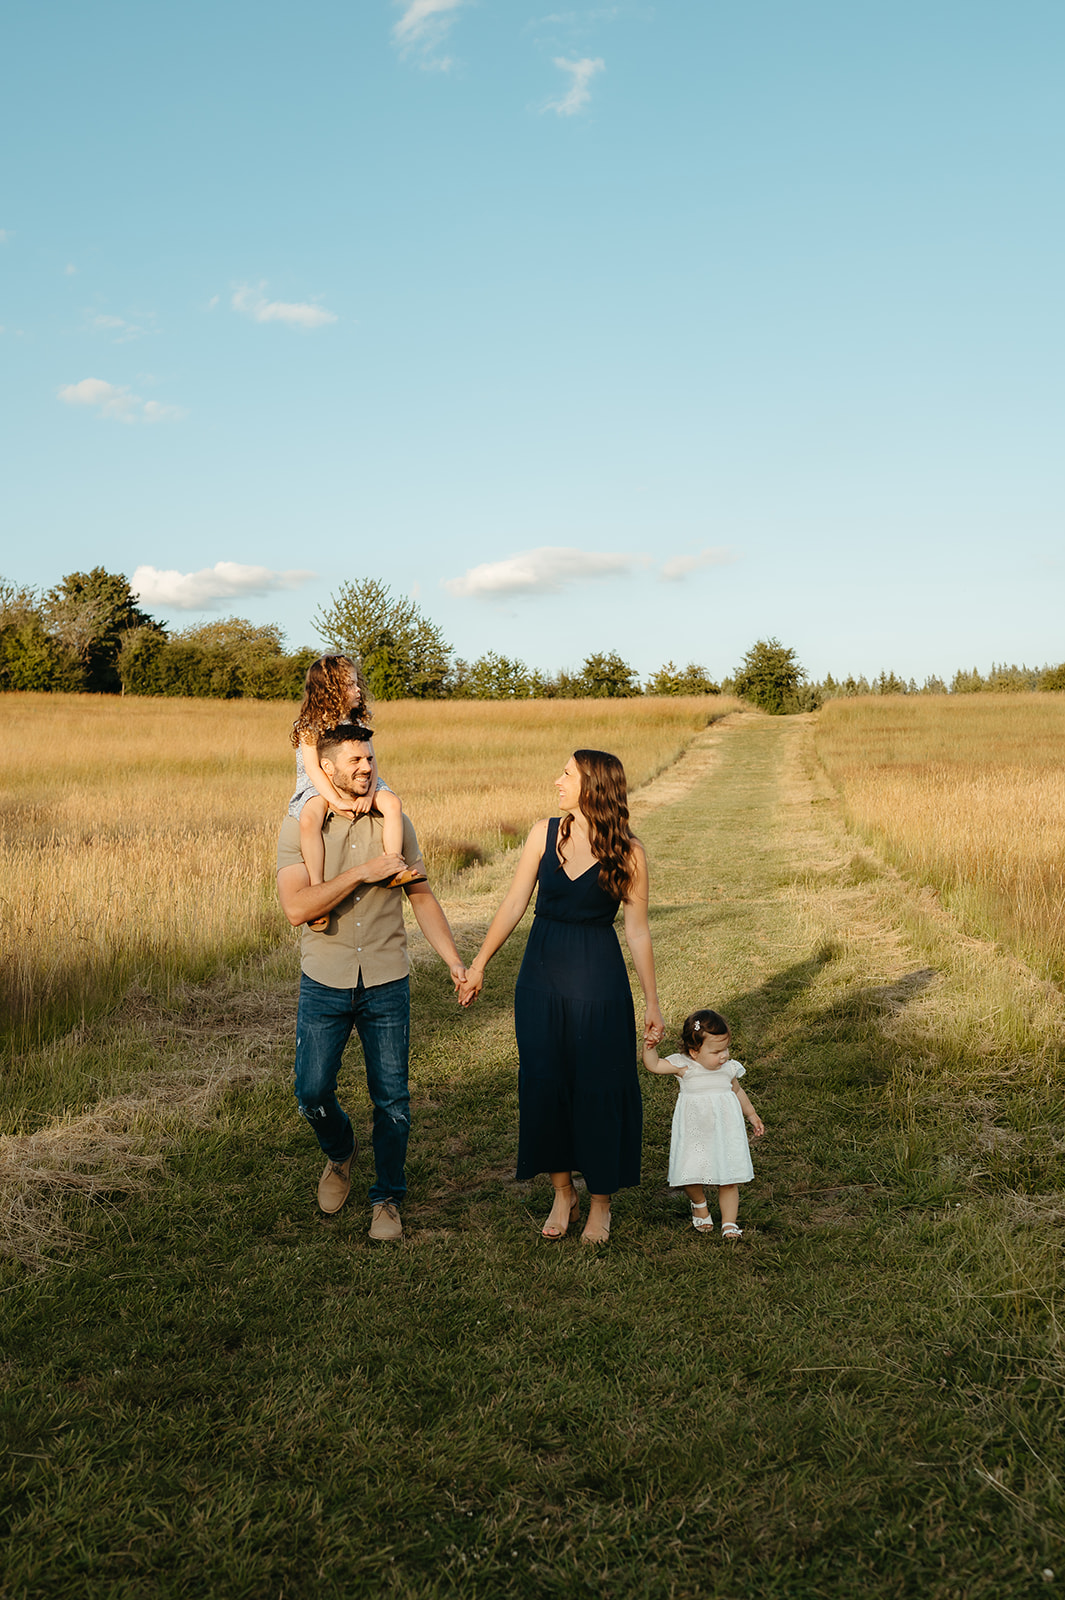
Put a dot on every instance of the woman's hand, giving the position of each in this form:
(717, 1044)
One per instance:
(363, 804)
(472, 986)
(654, 1027)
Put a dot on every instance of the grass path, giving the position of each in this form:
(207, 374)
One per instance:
(220, 1394)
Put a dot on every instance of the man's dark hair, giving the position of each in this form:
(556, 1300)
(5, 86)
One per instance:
(331, 740)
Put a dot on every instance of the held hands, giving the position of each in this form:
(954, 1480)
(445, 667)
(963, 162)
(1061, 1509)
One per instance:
(471, 987)
(653, 1026)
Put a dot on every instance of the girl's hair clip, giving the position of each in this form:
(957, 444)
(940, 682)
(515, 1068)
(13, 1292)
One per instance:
(697, 1027)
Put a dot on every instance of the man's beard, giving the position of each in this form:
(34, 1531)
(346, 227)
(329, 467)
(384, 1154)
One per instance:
(346, 786)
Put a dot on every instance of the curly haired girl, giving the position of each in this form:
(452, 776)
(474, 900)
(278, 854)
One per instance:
(334, 692)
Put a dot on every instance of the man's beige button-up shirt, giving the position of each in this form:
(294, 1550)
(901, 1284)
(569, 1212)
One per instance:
(366, 934)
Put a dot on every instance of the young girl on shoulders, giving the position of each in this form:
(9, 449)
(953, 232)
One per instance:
(709, 1143)
(334, 691)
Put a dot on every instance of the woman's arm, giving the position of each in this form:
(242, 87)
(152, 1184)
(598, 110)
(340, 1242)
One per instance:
(638, 939)
(510, 913)
(757, 1125)
(313, 768)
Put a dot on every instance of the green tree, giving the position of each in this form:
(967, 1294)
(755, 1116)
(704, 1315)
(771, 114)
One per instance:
(1013, 679)
(495, 677)
(770, 676)
(604, 676)
(967, 682)
(229, 659)
(689, 680)
(30, 658)
(403, 654)
(89, 613)
(1053, 679)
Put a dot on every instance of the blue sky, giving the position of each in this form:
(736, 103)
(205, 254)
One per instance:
(649, 328)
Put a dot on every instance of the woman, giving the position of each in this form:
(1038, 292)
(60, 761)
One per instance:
(578, 1088)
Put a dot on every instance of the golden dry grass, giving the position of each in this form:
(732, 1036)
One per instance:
(967, 795)
(137, 836)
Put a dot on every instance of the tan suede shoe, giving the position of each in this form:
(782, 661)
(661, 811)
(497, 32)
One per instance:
(386, 1223)
(334, 1185)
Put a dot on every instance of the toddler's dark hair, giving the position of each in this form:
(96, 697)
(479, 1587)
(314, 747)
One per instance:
(698, 1025)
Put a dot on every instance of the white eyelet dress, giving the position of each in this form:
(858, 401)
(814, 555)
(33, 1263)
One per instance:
(709, 1143)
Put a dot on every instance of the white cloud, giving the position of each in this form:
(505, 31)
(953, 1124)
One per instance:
(197, 591)
(423, 28)
(578, 94)
(678, 567)
(124, 331)
(115, 401)
(298, 314)
(5, 235)
(70, 270)
(546, 570)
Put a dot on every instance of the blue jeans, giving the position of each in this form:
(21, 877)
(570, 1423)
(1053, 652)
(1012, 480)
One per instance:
(323, 1027)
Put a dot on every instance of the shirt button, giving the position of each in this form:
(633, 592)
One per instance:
(358, 949)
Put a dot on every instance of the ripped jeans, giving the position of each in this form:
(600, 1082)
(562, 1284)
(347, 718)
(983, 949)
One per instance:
(323, 1027)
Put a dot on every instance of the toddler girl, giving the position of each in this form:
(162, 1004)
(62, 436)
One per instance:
(334, 691)
(709, 1144)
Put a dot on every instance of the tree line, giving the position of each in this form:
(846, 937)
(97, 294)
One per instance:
(88, 633)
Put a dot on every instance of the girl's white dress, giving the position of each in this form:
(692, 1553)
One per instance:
(709, 1143)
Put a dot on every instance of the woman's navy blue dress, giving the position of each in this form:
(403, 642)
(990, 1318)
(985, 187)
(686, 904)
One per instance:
(578, 1085)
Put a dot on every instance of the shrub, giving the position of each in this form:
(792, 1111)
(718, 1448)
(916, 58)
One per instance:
(770, 677)
(673, 680)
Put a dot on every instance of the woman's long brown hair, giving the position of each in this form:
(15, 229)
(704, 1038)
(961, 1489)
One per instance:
(605, 805)
(325, 697)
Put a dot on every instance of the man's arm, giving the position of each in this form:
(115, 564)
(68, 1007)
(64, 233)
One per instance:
(436, 928)
(302, 901)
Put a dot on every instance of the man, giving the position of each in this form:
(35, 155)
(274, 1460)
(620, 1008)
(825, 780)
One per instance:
(355, 974)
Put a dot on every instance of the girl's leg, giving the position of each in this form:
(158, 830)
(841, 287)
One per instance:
(565, 1206)
(728, 1198)
(700, 1209)
(391, 808)
(597, 1228)
(312, 846)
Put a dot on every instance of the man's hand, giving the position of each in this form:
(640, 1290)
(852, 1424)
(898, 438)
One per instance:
(458, 978)
(382, 867)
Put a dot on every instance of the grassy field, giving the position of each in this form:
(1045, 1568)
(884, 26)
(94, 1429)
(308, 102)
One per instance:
(967, 795)
(137, 836)
(212, 1391)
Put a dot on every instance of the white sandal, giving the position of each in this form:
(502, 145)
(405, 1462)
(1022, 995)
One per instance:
(729, 1230)
(702, 1224)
